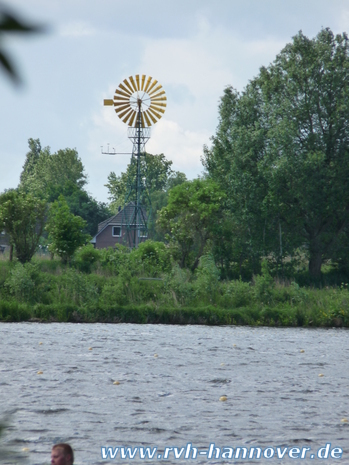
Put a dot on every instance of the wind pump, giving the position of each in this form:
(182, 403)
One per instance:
(139, 102)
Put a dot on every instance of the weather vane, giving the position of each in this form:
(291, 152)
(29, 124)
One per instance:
(139, 102)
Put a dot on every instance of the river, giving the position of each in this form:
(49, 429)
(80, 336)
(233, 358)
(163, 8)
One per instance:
(283, 387)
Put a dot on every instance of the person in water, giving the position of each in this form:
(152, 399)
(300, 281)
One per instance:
(62, 454)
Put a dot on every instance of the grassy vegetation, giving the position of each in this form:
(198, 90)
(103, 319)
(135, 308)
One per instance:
(144, 286)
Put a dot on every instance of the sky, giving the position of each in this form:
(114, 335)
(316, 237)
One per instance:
(194, 48)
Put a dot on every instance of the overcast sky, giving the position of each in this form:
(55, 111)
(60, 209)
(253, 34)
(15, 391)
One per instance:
(194, 48)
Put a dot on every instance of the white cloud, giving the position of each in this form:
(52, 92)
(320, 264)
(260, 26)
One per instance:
(76, 29)
(180, 145)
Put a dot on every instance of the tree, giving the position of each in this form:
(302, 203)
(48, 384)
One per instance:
(22, 216)
(193, 209)
(31, 160)
(51, 175)
(156, 169)
(81, 204)
(65, 230)
(284, 153)
(44, 172)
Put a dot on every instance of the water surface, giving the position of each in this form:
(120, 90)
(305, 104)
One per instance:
(275, 394)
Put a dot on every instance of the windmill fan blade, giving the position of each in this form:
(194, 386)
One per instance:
(152, 111)
(153, 84)
(151, 116)
(158, 99)
(128, 110)
(147, 84)
(147, 119)
(125, 81)
(157, 104)
(108, 102)
(137, 81)
(143, 79)
(125, 89)
(157, 95)
(120, 92)
(133, 83)
(155, 90)
(121, 108)
(121, 99)
(127, 116)
(132, 118)
(153, 107)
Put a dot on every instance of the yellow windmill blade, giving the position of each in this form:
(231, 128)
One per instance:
(157, 95)
(147, 83)
(157, 104)
(125, 81)
(153, 112)
(153, 84)
(125, 89)
(136, 95)
(130, 123)
(127, 116)
(151, 116)
(133, 83)
(120, 92)
(122, 107)
(146, 118)
(155, 90)
(143, 79)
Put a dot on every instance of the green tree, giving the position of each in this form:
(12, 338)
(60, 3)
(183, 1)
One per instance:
(193, 208)
(284, 154)
(156, 170)
(22, 216)
(31, 160)
(51, 175)
(65, 230)
(44, 173)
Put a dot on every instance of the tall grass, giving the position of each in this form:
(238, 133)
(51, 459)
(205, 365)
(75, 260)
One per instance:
(144, 286)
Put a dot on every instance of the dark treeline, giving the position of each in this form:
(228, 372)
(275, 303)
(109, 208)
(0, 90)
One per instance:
(268, 217)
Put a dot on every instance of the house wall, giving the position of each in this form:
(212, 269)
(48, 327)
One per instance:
(105, 239)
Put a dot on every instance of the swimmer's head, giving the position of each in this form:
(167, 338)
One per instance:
(62, 454)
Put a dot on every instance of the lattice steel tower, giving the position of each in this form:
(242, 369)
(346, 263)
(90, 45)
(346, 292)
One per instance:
(139, 102)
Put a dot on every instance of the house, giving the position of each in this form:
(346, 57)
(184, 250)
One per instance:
(121, 229)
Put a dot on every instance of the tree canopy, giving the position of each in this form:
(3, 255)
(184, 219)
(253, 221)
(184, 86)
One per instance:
(22, 216)
(65, 230)
(281, 150)
(193, 209)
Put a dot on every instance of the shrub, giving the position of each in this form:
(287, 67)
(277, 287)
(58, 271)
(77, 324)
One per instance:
(85, 258)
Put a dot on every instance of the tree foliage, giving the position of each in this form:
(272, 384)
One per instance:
(22, 216)
(193, 208)
(158, 178)
(65, 230)
(43, 173)
(281, 150)
(51, 175)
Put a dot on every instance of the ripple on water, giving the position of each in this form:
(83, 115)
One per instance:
(274, 394)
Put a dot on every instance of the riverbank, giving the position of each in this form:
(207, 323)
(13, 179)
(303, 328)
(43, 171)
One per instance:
(47, 291)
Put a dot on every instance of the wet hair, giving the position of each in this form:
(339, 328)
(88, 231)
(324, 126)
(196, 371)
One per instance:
(67, 449)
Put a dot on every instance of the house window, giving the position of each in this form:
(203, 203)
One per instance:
(116, 231)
